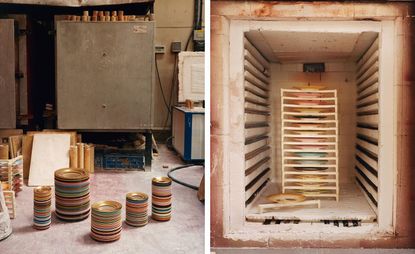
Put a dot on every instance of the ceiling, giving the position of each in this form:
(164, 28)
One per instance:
(300, 47)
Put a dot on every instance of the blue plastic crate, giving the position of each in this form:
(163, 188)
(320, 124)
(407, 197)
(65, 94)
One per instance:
(124, 161)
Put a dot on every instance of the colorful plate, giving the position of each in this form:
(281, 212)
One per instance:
(286, 198)
(310, 154)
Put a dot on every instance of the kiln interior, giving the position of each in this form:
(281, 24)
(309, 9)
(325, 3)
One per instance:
(273, 60)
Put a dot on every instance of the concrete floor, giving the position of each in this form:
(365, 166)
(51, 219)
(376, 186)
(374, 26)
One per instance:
(183, 234)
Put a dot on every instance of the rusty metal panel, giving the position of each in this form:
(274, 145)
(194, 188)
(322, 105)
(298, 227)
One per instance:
(104, 75)
(7, 80)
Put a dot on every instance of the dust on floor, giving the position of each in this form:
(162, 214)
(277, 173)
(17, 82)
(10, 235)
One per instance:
(183, 234)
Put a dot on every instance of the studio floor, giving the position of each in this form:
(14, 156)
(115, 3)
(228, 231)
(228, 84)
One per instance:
(183, 234)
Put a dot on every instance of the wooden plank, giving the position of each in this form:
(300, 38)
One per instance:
(27, 142)
(50, 152)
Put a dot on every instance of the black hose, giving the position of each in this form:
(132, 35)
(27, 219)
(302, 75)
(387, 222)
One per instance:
(180, 182)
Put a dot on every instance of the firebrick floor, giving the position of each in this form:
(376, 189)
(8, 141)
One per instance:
(183, 234)
(352, 205)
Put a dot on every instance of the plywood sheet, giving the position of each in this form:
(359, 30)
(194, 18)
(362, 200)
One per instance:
(27, 146)
(49, 153)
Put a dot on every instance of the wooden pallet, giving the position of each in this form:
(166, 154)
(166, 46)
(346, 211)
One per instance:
(312, 134)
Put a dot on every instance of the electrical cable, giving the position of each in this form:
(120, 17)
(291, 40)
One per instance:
(161, 86)
(172, 90)
(181, 182)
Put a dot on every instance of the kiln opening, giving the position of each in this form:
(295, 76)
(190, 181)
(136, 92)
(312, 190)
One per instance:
(313, 134)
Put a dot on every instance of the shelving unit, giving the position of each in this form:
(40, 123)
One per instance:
(309, 142)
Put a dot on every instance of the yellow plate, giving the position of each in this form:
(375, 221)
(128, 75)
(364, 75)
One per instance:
(286, 198)
(311, 177)
(43, 190)
(309, 88)
(161, 179)
(106, 206)
(71, 174)
(137, 196)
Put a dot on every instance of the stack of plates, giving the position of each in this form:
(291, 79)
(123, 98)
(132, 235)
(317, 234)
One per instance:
(106, 223)
(136, 209)
(72, 194)
(42, 207)
(161, 199)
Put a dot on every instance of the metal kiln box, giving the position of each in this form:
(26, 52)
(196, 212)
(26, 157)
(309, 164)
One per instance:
(105, 75)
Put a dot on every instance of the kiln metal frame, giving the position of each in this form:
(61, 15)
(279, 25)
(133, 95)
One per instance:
(234, 224)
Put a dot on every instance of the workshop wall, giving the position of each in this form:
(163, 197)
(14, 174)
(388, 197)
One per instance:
(174, 22)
